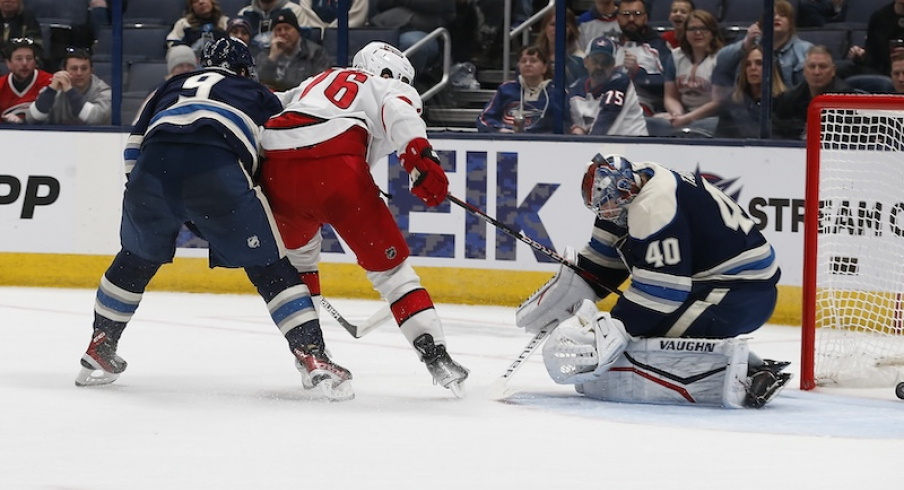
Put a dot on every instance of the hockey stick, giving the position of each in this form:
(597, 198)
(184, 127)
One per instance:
(533, 243)
(358, 331)
(498, 390)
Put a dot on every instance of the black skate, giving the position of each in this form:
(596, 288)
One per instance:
(765, 382)
(318, 371)
(100, 364)
(444, 370)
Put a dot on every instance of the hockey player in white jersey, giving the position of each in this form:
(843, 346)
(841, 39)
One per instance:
(319, 151)
(701, 275)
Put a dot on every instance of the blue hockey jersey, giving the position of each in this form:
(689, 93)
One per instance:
(684, 235)
(234, 106)
(611, 108)
(513, 98)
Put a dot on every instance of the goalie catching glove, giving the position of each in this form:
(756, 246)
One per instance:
(584, 346)
(557, 300)
(428, 180)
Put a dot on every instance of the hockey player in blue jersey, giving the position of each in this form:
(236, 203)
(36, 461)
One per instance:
(192, 157)
(604, 102)
(699, 269)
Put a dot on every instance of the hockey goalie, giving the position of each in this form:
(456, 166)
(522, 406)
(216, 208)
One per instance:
(701, 276)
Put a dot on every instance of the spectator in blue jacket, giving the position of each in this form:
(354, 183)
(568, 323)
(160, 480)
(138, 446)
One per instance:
(525, 104)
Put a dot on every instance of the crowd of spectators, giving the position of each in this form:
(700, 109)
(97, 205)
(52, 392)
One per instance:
(690, 80)
(680, 76)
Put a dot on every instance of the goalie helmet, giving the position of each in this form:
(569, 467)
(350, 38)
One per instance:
(229, 53)
(384, 60)
(609, 185)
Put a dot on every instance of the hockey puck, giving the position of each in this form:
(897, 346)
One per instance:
(899, 390)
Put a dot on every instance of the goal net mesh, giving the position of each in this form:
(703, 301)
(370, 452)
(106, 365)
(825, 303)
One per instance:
(860, 252)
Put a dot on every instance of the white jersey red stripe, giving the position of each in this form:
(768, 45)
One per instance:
(340, 99)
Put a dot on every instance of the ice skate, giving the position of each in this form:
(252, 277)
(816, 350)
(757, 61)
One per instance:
(100, 364)
(319, 372)
(765, 382)
(446, 372)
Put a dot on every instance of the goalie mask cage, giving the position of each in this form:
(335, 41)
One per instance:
(853, 283)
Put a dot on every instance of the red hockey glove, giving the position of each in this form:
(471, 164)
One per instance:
(428, 180)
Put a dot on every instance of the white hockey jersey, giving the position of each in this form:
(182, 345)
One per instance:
(329, 104)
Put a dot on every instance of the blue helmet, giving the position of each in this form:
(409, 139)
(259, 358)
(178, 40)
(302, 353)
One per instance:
(229, 53)
(609, 185)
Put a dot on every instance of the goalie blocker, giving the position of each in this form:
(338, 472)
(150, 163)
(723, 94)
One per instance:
(592, 351)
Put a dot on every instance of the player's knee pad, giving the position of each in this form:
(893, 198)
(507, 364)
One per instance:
(557, 300)
(584, 346)
(676, 371)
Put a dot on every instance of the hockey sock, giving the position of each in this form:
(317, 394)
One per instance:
(120, 292)
(289, 303)
(410, 304)
(312, 281)
(271, 280)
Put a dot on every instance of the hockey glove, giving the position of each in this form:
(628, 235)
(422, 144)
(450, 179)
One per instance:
(428, 180)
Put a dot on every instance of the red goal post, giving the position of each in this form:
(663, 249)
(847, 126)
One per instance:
(853, 271)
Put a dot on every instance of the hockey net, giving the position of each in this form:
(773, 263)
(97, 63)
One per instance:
(853, 285)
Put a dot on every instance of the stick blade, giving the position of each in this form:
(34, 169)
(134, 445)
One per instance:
(499, 390)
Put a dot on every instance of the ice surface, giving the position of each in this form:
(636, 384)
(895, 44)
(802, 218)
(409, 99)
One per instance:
(211, 400)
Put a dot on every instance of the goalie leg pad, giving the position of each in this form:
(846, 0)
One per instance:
(583, 347)
(555, 301)
(670, 371)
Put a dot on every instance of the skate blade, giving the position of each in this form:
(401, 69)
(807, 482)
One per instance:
(94, 377)
(458, 389)
(338, 393)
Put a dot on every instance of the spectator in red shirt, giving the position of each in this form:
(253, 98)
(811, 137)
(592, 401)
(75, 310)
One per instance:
(20, 87)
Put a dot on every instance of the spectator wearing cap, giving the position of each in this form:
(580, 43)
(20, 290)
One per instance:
(240, 28)
(604, 102)
(75, 96)
(180, 59)
(261, 14)
(18, 22)
(20, 87)
(290, 58)
(204, 22)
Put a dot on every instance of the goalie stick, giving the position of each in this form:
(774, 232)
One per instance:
(499, 390)
(533, 243)
(358, 331)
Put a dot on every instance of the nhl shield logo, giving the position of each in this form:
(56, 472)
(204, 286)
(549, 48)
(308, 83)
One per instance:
(391, 253)
(254, 241)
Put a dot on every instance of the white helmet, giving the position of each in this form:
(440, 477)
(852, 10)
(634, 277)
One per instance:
(384, 60)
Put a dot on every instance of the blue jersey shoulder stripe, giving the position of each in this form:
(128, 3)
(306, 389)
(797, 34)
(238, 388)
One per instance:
(182, 110)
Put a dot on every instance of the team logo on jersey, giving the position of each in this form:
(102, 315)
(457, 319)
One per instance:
(391, 253)
(254, 242)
